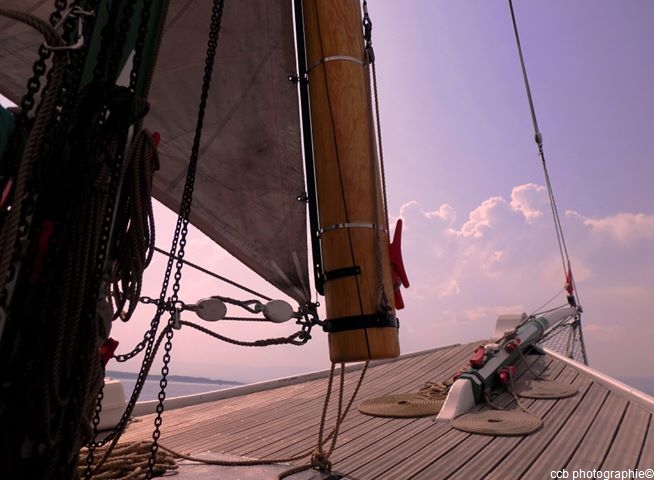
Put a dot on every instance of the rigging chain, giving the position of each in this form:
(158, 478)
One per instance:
(538, 137)
(104, 74)
(181, 228)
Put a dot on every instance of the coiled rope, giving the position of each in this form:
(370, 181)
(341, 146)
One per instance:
(128, 461)
(427, 401)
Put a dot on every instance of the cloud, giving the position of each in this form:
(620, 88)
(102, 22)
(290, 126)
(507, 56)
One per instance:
(444, 213)
(624, 229)
(530, 200)
(501, 257)
(504, 258)
(483, 218)
(449, 288)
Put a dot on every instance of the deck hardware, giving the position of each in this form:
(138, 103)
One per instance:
(73, 12)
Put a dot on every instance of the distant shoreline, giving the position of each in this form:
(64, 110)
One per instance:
(172, 378)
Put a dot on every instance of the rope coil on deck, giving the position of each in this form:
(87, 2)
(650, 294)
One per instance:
(502, 422)
(128, 461)
(498, 422)
(426, 402)
(543, 389)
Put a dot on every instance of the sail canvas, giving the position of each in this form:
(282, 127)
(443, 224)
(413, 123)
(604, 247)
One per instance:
(250, 172)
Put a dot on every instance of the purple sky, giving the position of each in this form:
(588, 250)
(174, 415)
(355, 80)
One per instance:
(463, 172)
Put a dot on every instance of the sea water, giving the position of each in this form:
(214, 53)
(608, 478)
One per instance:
(644, 384)
(151, 388)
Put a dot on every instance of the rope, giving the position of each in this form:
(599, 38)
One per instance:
(58, 386)
(540, 387)
(10, 229)
(538, 137)
(427, 401)
(320, 458)
(503, 422)
(115, 435)
(375, 96)
(291, 339)
(212, 274)
(498, 423)
(127, 460)
(544, 389)
(135, 227)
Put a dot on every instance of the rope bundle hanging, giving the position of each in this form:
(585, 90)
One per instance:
(134, 245)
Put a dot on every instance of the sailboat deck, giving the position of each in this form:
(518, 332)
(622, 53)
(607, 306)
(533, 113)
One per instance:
(603, 427)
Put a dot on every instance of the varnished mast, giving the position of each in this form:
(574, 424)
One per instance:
(360, 309)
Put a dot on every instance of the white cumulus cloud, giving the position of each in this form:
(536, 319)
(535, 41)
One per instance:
(530, 200)
(504, 258)
(623, 228)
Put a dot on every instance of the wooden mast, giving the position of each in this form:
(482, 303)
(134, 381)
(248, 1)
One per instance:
(353, 228)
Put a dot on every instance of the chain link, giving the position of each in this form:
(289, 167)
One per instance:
(38, 69)
(98, 280)
(163, 383)
(117, 169)
(138, 53)
(181, 228)
(88, 470)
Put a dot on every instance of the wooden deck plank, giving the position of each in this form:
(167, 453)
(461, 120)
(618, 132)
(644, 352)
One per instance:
(402, 382)
(440, 464)
(530, 448)
(500, 448)
(388, 466)
(590, 454)
(300, 428)
(266, 408)
(597, 425)
(476, 448)
(646, 459)
(625, 450)
(364, 450)
(571, 434)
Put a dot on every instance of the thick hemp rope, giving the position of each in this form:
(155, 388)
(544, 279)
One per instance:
(128, 461)
(427, 401)
(502, 422)
(10, 230)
